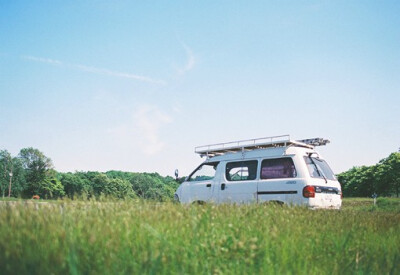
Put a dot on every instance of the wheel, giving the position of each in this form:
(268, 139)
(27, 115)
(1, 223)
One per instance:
(274, 203)
(199, 203)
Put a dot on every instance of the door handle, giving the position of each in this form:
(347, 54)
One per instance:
(223, 185)
(208, 185)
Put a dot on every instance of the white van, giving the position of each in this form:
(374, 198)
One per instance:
(273, 169)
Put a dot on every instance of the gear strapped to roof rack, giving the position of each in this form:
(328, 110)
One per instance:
(315, 141)
(258, 143)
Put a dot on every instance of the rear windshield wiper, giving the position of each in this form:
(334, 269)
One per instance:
(320, 173)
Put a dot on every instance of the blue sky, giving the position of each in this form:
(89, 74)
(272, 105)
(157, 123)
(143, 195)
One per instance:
(135, 86)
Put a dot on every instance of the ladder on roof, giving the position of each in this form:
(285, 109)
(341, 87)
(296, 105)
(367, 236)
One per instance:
(254, 144)
(315, 141)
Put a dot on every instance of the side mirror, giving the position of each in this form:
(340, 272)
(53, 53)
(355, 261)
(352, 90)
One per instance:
(176, 174)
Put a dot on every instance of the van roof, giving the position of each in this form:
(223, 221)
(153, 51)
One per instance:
(283, 141)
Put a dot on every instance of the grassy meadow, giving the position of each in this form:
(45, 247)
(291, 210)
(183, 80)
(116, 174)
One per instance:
(138, 237)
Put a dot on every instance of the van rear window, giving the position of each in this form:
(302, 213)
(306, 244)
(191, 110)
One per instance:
(278, 168)
(318, 168)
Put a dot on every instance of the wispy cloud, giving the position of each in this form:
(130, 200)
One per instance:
(117, 74)
(149, 119)
(93, 70)
(142, 131)
(190, 62)
(41, 59)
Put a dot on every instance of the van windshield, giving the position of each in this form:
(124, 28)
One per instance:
(318, 168)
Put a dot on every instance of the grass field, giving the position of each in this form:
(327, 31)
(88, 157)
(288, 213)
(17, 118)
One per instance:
(136, 237)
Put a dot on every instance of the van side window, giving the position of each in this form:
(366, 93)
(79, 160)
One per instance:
(241, 170)
(206, 171)
(278, 168)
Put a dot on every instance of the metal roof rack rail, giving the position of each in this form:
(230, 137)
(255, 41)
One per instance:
(257, 143)
(243, 145)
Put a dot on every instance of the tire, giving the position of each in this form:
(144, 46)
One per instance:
(198, 203)
(274, 203)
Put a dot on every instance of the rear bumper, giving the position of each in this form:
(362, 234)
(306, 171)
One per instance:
(325, 201)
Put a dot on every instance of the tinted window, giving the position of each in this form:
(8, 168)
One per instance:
(241, 170)
(278, 168)
(206, 171)
(318, 168)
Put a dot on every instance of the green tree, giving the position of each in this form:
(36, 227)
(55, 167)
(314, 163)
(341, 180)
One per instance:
(11, 175)
(6, 170)
(153, 186)
(51, 188)
(112, 187)
(38, 170)
(18, 178)
(119, 188)
(382, 178)
(390, 173)
(383, 188)
(75, 184)
(358, 182)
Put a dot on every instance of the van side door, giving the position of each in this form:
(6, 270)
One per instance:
(278, 181)
(238, 182)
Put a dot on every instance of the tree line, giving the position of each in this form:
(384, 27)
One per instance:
(382, 179)
(32, 173)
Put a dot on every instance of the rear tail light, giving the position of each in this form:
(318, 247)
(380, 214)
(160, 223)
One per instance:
(309, 191)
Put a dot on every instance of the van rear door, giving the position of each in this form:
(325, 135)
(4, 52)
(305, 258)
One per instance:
(327, 190)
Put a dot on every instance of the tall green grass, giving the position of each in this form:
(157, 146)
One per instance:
(136, 237)
(367, 204)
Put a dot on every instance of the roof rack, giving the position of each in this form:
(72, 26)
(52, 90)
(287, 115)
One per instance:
(258, 143)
